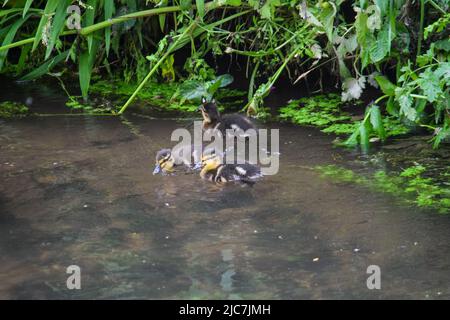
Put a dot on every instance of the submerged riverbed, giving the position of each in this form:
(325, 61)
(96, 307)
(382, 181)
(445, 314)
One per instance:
(79, 190)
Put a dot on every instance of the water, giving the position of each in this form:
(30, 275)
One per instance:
(80, 190)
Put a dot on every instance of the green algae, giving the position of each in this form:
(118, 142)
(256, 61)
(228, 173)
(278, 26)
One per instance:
(10, 109)
(412, 185)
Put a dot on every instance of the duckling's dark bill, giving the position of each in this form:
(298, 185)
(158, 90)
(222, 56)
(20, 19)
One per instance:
(157, 169)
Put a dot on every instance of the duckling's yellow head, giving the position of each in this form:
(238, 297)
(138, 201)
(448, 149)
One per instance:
(210, 162)
(164, 161)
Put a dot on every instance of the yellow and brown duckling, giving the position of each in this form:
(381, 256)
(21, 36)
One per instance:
(213, 169)
(185, 156)
(212, 119)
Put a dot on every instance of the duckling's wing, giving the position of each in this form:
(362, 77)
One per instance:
(237, 122)
(247, 172)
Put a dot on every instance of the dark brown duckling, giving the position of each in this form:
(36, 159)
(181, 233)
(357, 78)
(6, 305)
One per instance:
(213, 169)
(212, 119)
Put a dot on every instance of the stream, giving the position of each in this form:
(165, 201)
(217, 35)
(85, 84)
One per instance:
(79, 190)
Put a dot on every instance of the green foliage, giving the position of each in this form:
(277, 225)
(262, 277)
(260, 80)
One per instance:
(320, 110)
(269, 38)
(159, 95)
(9, 109)
(410, 186)
(325, 111)
(194, 90)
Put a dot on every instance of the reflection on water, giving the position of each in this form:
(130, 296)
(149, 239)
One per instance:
(80, 190)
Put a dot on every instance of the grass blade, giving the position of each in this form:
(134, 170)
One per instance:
(10, 37)
(86, 62)
(26, 7)
(89, 20)
(45, 67)
(200, 8)
(57, 26)
(109, 11)
(49, 9)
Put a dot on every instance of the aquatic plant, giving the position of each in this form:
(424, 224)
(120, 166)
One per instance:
(412, 185)
(326, 111)
(10, 109)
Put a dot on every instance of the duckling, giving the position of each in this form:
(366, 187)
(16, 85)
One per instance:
(167, 159)
(188, 156)
(214, 170)
(212, 119)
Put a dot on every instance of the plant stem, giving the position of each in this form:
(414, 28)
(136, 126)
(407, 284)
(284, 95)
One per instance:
(155, 67)
(31, 40)
(179, 43)
(381, 98)
(436, 6)
(422, 16)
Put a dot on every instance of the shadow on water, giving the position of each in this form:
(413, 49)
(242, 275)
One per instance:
(80, 190)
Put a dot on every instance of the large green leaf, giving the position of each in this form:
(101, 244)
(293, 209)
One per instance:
(383, 6)
(386, 86)
(26, 7)
(10, 37)
(109, 11)
(50, 8)
(57, 26)
(405, 101)
(429, 83)
(162, 17)
(86, 62)
(46, 66)
(352, 141)
(364, 133)
(200, 8)
(377, 122)
(381, 47)
(89, 20)
(224, 80)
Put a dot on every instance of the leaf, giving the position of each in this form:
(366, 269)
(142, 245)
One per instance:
(89, 20)
(443, 44)
(391, 108)
(185, 4)
(10, 37)
(429, 83)
(86, 62)
(443, 71)
(381, 47)
(374, 19)
(57, 25)
(162, 17)
(193, 90)
(26, 7)
(377, 122)
(45, 67)
(364, 133)
(386, 86)
(405, 101)
(49, 9)
(382, 5)
(200, 8)
(225, 80)
(327, 19)
(361, 28)
(23, 58)
(109, 9)
(234, 3)
(353, 139)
